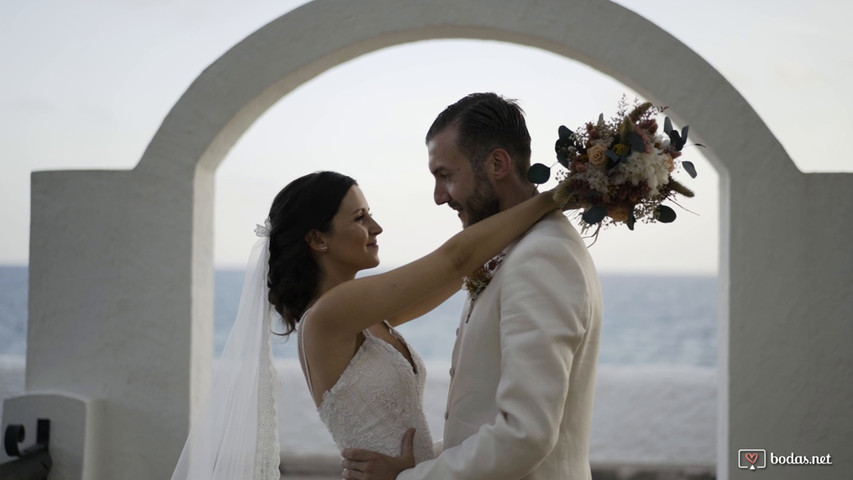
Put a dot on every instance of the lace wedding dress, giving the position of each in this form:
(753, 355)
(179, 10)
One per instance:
(378, 397)
(235, 435)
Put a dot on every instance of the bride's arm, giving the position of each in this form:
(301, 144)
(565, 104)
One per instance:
(427, 304)
(357, 304)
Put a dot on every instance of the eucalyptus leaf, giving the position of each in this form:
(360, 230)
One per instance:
(673, 136)
(664, 214)
(611, 155)
(594, 214)
(684, 133)
(538, 173)
(636, 141)
(562, 155)
(691, 169)
(676, 140)
(565, 133)
(631, 220)
(667, 125)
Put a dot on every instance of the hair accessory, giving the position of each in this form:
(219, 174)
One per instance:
(263, 230)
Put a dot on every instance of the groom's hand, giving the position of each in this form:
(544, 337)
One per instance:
(366, 465)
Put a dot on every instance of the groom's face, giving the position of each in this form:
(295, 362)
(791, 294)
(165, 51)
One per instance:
(468, 191)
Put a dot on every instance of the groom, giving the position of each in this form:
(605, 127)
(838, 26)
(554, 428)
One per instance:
(523, 370)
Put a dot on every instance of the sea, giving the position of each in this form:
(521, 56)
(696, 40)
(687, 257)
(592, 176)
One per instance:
(648, 319)
(657, 363)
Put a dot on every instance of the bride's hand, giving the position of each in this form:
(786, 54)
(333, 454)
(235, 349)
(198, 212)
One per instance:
(366, 465)
(566, 205)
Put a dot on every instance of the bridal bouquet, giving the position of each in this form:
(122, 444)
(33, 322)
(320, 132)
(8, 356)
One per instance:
(620, 170)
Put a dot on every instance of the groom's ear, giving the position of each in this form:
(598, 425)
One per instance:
(500, 164)
(315, 241)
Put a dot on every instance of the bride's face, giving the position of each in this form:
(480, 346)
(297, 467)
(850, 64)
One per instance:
(351, 243)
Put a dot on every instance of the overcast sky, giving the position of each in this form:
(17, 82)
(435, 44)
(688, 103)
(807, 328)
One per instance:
(86, 85)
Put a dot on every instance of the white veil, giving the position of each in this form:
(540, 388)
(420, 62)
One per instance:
(235, 437)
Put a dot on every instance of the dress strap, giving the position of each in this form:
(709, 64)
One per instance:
(394, 332)
(304, 358)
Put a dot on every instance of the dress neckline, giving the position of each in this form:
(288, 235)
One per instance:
(367, 337)
(412, 363)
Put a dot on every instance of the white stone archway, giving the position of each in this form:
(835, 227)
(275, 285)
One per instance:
(118, 257)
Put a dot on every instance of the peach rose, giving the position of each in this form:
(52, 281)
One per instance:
(619, 213)
(668, 163)
(596, 154)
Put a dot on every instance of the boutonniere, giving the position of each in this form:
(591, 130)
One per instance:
(479, 280)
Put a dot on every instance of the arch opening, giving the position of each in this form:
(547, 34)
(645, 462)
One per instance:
(372, 129)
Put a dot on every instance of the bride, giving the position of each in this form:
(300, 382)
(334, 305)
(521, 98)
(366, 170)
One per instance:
(366, 381)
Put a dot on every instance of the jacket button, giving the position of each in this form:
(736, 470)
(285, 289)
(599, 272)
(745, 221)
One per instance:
(457, 332)
(452, 371)
(446, 415)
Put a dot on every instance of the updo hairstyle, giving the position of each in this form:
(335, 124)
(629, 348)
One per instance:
(307, 203)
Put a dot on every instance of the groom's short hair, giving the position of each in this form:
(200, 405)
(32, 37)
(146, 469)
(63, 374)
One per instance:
(486, 121)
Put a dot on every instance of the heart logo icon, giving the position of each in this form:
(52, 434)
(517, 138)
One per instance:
(752, 457)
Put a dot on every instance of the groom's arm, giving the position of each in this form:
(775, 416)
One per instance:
(544, 316)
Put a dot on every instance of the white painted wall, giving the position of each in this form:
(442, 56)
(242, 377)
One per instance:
(121, 269)
(113, 311)
(73, 431)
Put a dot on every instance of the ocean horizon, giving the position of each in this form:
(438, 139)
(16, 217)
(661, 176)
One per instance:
(659, 319)
(656, 375)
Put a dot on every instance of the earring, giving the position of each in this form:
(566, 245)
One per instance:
(324, 248)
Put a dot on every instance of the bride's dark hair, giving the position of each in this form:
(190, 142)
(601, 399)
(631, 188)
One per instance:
(307, 203)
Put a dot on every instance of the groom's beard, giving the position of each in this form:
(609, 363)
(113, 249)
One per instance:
(484, 202)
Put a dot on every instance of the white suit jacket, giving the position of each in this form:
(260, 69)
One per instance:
(523, 370)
